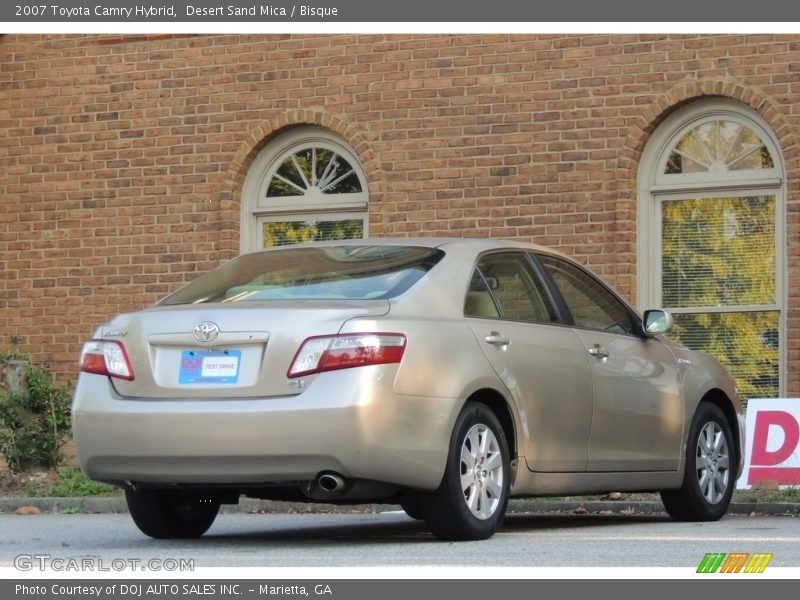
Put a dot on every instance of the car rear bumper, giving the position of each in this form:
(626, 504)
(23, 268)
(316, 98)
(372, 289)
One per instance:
(349, 422)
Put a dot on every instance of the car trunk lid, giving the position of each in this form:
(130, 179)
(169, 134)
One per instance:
(213, 350)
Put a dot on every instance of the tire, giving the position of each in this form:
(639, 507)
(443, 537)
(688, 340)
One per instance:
(710, 473)
(470, 503)
(169, 514)
(412, 506)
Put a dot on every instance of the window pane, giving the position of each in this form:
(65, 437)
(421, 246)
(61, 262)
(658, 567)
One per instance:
(718, 146)
(748, 152)
(332, 170)
(284, 233)
(348, 184)
(323, 160)
(728, 134)
(303, 161)
(708, 133)
(683, 164)
(591, 304)
(479, 301)
(745, 342)
(758, 159)
(718, 252)
(313, 169)
(517, 289)
(348, 271)
(282, 187)
(693, 146)
(288, 170)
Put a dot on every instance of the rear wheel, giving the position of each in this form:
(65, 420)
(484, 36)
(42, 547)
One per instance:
(471, 501)
(710, 472)
(169, 514)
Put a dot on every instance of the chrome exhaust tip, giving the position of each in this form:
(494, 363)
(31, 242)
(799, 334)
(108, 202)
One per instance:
(331, 482)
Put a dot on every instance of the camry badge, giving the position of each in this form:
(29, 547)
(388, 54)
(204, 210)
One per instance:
(115, 333)
(206, 331)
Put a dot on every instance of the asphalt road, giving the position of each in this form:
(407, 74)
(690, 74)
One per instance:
(392, 539)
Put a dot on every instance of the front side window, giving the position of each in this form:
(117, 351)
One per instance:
(592, 305)
(306, 185)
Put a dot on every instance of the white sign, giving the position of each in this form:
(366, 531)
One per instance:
(772, 450)
(220, 366)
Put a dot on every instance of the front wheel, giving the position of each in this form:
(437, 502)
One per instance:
(710, 472)
(412, 506)
(471, 501)
(170, 514)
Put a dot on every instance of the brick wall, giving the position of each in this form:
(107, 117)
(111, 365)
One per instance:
(123, 158)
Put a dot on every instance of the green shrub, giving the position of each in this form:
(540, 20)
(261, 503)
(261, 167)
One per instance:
(34, 424)
(74, 483)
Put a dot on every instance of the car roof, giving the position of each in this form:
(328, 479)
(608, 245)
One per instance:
(473, 244)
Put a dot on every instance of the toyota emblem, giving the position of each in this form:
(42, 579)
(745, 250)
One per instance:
(206, 331)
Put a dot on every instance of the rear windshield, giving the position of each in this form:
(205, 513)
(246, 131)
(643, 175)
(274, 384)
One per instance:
(323, 273)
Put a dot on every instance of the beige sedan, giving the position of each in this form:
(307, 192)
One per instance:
(444, 375)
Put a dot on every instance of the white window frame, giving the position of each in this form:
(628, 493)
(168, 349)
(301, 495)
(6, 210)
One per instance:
(257, 208)
(654, 187)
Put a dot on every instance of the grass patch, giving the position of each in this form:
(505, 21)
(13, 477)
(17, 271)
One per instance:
(74, 484)
(762, 496)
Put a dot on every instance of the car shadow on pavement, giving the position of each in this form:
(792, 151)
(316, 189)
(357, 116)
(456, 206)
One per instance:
(361, 532)
(405, 530)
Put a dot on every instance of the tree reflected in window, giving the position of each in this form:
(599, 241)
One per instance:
(313, 168)
(718, 146)
(284, 233)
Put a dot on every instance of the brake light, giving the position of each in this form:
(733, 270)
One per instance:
(332, 352)
(104, 357)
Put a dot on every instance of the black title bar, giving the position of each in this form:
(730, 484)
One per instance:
(441, 11)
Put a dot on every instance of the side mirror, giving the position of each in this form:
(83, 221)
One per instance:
(657, 322)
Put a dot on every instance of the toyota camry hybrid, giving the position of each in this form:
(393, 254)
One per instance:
(443, 375)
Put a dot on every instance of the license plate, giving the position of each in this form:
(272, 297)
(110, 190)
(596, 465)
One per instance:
(214, 366)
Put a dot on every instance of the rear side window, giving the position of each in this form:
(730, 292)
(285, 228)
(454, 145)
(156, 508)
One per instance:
(505, 286)
(348, 272)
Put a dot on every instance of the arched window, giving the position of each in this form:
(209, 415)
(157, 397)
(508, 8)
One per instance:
(305, 185)
(711, 188)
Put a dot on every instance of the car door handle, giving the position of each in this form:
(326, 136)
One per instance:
(495, 339)
(598, 351)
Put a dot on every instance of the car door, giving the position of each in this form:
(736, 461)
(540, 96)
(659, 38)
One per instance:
(541, 361)
(637, 422)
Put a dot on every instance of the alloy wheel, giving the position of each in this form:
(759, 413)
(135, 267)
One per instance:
(481, 471)
(712, 463)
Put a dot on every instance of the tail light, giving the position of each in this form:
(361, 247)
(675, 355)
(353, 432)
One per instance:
(104, 357)
(332, 352)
